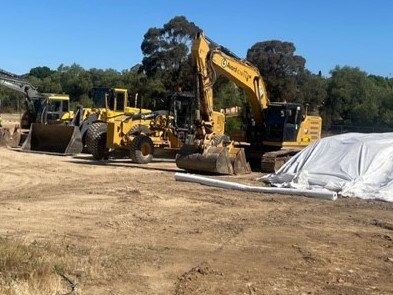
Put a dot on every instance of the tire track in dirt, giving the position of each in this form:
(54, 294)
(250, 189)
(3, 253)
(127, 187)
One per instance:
(12, 181)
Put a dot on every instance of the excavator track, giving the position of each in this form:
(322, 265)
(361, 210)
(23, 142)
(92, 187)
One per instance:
(272, 161)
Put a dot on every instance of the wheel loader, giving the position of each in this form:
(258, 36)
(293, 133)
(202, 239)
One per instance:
(43, 124)
(49, 126)
(139, 134)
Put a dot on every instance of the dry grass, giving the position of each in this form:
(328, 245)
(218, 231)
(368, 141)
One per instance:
(31, 269)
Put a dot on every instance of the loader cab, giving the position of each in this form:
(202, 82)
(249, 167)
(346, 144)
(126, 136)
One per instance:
(282, 122)
(57, 109)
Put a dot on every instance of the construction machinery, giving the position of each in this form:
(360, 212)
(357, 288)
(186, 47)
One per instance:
(53, 128)
(138, 134)
(42, 110)
(110, 104)
(275, 131)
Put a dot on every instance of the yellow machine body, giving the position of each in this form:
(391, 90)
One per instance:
(273, 125)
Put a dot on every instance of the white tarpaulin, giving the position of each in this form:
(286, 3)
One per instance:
(352, 164)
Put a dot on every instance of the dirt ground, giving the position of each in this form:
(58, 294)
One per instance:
(135, 230)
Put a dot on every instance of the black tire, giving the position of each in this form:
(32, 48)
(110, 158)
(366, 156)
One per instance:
(96, 141)
(90, 134)
(134, 130)
(141, 149)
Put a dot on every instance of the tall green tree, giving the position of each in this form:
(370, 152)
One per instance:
(353, 98)
(312, 90)
(146, 88)
(75, 81)
(41, 72)
(281, 68)
(166, 53)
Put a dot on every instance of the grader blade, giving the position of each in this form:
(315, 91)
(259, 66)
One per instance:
(54, 139)
(213, 159)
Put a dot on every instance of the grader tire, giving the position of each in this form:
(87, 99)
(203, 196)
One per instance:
(141, 149)
(96, 141)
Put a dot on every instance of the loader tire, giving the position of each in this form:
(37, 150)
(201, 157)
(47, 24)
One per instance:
(96, 141)
(90, 134)
(141, 149)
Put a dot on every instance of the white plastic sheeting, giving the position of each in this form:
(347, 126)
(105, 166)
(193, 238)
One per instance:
(352, 164)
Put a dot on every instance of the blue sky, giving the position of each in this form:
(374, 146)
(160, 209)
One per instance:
(108, 33)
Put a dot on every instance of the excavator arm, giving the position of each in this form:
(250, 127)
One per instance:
(211, 59)
(210, 150)
(18, 84)
(34, 100)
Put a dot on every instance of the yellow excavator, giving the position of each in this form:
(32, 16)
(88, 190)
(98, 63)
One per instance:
(276, 130)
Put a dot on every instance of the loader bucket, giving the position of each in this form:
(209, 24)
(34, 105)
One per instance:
(54, 139)
(217, 160)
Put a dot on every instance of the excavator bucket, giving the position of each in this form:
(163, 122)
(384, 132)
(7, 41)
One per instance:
(217, 160)
(54, 139)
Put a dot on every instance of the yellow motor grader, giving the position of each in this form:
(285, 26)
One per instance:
(139, 134)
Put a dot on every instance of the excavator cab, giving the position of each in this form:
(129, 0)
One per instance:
(282, 121)
(288, 125)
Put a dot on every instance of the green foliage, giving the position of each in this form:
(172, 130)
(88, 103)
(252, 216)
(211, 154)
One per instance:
(10, 100)
(312, 90)
(355, 98)
(85, 101)
(166, 53)
(40, 72)
(226, 94)
(232, 123)
(349, 96)
(281, 69)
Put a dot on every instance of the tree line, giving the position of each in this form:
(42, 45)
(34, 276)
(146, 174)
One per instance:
(348, 96)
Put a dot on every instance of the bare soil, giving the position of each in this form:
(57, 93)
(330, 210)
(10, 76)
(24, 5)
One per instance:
(132, 229)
